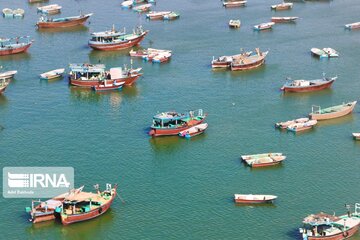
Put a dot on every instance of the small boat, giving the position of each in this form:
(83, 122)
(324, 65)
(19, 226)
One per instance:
(283, 19)
(153, 15)
(171, 16)
(323, 226)
(221, 62)
(86, 205)
(229, 4)
(45, 22)
(50, 9)
(127, 4)
(332, 112)
(161, 57)
(104, 86)
(19, 13)
(142, 8)
(261, 155)
(194, 131)
(250, 198)
(8, 74)
(143, 53)
(234, 23)
(308, 85)
(282, 6)
(284, 125)
(267, 161)
(325, 52)
(172, 123)
(351, 26)
(116, 40)
(52, 74)
(356, 136)
(298, 127)
(8, 12)
(10, 46)
(264, 26)
(248, 61)
(3, 84)
(36, 1)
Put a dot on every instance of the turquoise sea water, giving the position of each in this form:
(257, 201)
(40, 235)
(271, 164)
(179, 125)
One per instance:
(176, 188)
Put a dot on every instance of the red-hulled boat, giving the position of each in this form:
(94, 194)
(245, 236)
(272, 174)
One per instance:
(250, 198)
(86, 205)
(91, 75)
(243, 62)
(116, 40)
(3, 84)
(308, 85)
(45, 22)
(10, 46)
(172, 123)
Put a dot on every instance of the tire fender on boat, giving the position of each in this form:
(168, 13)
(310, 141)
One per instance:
(100, 210)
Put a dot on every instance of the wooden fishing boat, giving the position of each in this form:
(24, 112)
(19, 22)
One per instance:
(153, 15)
(265, 161)
(282, 6)
(8, 74)
(3, 84)
(194, 131)
(171, 16)
(90, 75)
(243, 62)
(52, 74)
(234, 23)
(250, 198)
(356, 136)
(283, 19)
(143, 53)
(45, 22)
(229, 4)
(324, 53)
(116, 40)
(332, 112)
(142, 8)
(105, 86)
(351, 26)
(324, 226)
(86, 205)
(221, 62)
(261, 155)
(161, 57)
(127, 4)
(19, 13)
(264, 26)
(298, 127)
(308, 85)
(41, 211)
(50, 9)
(10, 46)
(171, 123)
(8, 12)
(284, 125)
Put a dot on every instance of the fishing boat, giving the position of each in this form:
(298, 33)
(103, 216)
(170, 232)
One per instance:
(86, 205)
(127, 4)
(3, 84)
(41, 211)
(221, 62)
(52, 74)
(161, 57)
(8, 12)
(13, 45)
(90, 75)
(308, 85)
(356, 136)
(284, 125)
(19, 13)
(50, 9)
(250, 198)
(282, 6)
(298, 127)
(36, 1)
(324, 53)
(143, 53)
(265, 161)
(194, 131)
(332, 112)
(8, 74)
(264, 26)
(105, 86)
(261, 155)
(116, 40)
(172, 123)
(234, 23)
(323, 226)
(153, 15)
(229, 4)
(246, 62)
(142, 8)
(351, 26)
(283, 19)
(171, 16)
(45, 22)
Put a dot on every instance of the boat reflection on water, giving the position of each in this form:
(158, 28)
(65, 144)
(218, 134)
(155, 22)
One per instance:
(335, 121)
(306, 95)
(16, 57)
(84, 94)
(79, 28)
(96, 56)
(3, 101)
(130, 91)
(165, 144)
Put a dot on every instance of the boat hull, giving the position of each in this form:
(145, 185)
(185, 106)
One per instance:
(156, 132)
(332, 115)
(258, 165)
(92, 83)
(339, 236)
(71, 23)
(118, 46)
(15, 50)
(43, 217)
(247, 66)
(308, 88)
(2, 89)
(253, 201)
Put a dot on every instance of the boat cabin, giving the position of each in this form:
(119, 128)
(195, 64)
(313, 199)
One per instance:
(88, 71)
(107, 36)
(174, 119)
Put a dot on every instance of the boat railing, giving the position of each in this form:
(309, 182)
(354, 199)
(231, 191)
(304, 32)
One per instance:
(315, 109)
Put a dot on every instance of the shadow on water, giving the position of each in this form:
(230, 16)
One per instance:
(84, 94)
(130, 91)
(294, 234)
(256, 205)
(3, 101)
(79, 28)
(16, 57)
(341, 120)
(305, 95)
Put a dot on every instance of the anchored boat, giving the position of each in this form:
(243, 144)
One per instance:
(308, 85)
(284, 125)
(250, 198)
(264, 26)
(8, 74)
(263, 159)
(52, 74)
(282, 6)
(45, 22)
(356, 136)
(332, 112)
(283, 19)
(8, 12)
(153, 15)
(232, 3)
(194, 131)
(351, 26)
(105, 86)
(50, 9)
(324, 53)
(14, 45)
(298, 127)
(235, 23)
(3, 84)
(246, 62)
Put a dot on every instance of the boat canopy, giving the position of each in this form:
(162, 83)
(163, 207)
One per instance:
(110, 33)
(87, 68)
